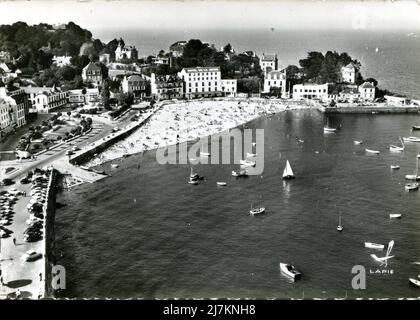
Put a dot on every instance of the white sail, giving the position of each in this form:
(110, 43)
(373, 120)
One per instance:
(288, 172)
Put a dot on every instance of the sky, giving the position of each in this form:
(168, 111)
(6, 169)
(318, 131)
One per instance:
(217, 14)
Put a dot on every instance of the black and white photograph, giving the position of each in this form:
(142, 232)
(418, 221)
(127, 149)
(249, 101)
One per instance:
(238, 150)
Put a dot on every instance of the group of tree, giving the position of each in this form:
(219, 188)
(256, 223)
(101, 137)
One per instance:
(199, 54)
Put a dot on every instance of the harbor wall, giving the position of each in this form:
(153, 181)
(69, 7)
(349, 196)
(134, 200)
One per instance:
(366, 109)
(49, 233)
(85, 155)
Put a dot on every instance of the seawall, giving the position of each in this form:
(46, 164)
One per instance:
(368, 109)
(49, 233)
(86, 154)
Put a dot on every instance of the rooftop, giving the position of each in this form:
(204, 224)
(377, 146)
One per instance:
(269, 57)
(367, 85)
(202, 69)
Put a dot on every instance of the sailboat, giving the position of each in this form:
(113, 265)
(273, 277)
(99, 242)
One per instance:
(193, 175)
(339, 227)
(204, 154)
(414, 176)
(288, 172)
(394, 148)
(327, 128)
(256, 211)
(384, 260)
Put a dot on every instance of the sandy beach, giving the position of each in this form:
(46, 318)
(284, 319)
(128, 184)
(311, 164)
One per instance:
(185, 121)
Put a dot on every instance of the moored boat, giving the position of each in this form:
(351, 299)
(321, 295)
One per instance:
(395, 166)
(395, 216)
(241, 173)
(251, 155)
(372, 151)
(257, 211)
(247, 163)
(375, 246)
(411, 186)
(340, 226)
(327, 128)
(414, 282)
(290, 271)
(416, 127)
(411, 139)
(394, 148)
(358, 141)
(221, 183)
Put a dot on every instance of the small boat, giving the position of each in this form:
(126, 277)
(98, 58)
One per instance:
(415, 176)
(358, 141)
(114, 165)
(204, 154)
(327, 128)
(221, 183)
(251, 155)
(414, 282)
(411, 186)
(375, 246)
(247, 163)
(411, 139)
(395, 166)
(254, 144)
(416, 127)
(394, 148)
(241, 173)
(194, 182)
(290, 271)
(257, 211)
(288, 172)
(372, 151)
(194, 176)
(384, 260)
(339, 227)
(395, 216)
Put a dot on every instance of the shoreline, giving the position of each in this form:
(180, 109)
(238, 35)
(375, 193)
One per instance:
(229, 114)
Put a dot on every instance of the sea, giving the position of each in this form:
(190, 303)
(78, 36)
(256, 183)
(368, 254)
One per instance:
(145, 232)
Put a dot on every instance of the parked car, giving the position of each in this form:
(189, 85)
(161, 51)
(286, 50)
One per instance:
(31, 255)
(7, 182)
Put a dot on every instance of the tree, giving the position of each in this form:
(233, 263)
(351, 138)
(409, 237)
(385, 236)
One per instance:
(373, 81)
(105, 94)
(312, 64)
(227, 48)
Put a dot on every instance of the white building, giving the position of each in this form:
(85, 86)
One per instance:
(310, 91)
(229, 87)
(268, 62)
(122, 52)
(201, 82)
(160, 60)
(135, 84)
(275, 80)
(45, 99)
(367, 91)
(61, 61)
(166, 87)
(12, 114)
(348, 73)
(83, 95)
(397, 101)
(105, 58)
